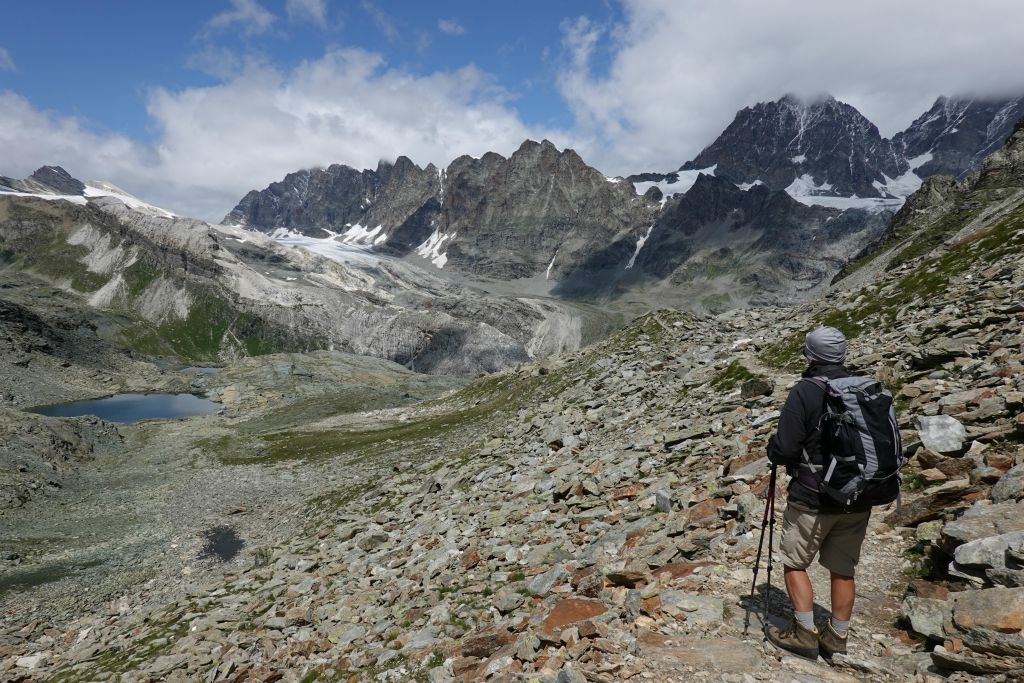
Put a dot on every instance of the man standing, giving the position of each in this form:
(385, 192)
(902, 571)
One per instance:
(814, 524)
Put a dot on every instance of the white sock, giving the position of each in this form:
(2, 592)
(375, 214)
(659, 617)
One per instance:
(840, 627)
(806, 619)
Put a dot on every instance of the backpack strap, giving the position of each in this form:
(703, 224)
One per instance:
(822, 383)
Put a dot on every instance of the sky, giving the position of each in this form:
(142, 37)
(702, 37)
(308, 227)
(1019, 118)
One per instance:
(191, 104)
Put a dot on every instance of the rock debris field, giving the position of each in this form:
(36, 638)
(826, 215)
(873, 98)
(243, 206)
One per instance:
(595, 517)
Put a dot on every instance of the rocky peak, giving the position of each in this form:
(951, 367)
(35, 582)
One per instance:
(957, 133)
(46, 180)
(827, 142)
(58, 179)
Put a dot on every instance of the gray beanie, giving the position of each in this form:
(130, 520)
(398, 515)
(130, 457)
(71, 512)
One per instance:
(825, 345)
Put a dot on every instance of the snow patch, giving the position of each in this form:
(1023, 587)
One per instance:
(613, 180)
(681, 186)
(804, 186)
(919, 161)
(799, 159)
(357, 234)
(902, 187)
(747, 186)
(639, 245)
(432, 248)
(73, 198)
(101, 188)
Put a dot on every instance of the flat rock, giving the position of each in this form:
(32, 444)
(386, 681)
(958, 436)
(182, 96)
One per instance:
(700, 610)
(571, 610)
(931, 505)
(999, 609)
(982, 521)
(988, 552)
(726, 655)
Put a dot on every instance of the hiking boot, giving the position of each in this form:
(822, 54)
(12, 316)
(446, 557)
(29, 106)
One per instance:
(794, 637)
(830, 642)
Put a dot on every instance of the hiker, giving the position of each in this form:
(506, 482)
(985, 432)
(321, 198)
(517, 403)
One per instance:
(815, 522)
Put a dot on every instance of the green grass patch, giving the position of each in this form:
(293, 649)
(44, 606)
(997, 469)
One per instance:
(733, 374)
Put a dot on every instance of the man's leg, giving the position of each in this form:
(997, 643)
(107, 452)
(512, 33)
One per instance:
(798, 585)
(843, 594)
(801, 536)
(840, 553)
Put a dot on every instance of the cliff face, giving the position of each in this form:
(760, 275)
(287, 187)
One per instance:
(498, 217)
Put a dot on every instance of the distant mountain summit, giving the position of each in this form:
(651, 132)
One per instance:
(956, 134)
(53, 182)
(825, 147)
(45, 180)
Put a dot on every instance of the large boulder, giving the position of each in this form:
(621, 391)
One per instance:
(942, 434)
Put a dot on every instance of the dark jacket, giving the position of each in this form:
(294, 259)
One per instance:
(798, 431)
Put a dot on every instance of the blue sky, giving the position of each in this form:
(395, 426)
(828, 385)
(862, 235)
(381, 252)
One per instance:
(100, 63)
(191, 104)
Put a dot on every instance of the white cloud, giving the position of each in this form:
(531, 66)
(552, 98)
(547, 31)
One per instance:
(384, 22)
(216, 143)
(6, 62)
(451, 26)
(251, 16)
(649, 94)
(313, 11)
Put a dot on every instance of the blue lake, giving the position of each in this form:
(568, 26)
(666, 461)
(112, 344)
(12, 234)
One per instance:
(128, 408)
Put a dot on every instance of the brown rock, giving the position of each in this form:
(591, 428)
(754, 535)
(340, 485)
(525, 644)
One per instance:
(955, 468)
(571, 610)
(485, 643)
(999, 609)
(630, 491)
(296, 616)
(470, 558)
(927, 589)
(705, 512)
(932, 505)
(465, 665)
(999, 461)
(627, 579)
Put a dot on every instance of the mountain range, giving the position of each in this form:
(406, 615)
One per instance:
(781, 171)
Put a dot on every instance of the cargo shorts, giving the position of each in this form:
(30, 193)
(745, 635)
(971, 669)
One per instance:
(835, 537)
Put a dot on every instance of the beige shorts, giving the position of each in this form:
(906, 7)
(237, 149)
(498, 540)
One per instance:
(837, 538)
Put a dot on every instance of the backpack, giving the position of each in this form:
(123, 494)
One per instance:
(860, 438)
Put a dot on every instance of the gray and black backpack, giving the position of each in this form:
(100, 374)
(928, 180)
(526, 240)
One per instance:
(860, 438)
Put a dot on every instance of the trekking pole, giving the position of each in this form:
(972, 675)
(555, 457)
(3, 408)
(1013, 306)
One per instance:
(771, 539)
(769, 507)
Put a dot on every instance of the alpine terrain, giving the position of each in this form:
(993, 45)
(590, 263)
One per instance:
(506, 420)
